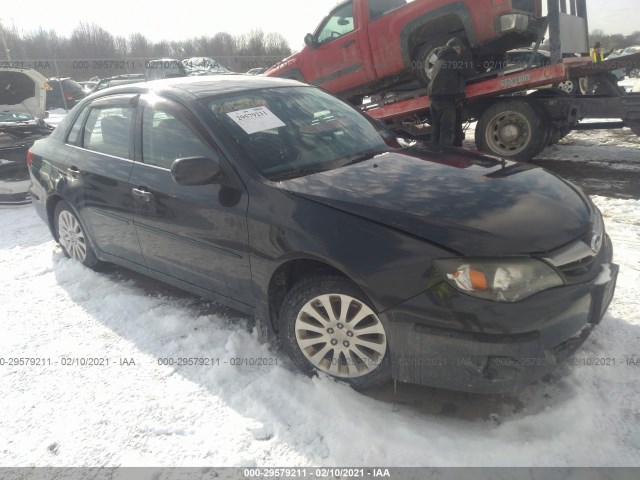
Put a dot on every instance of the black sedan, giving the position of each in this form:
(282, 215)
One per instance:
(366, 259)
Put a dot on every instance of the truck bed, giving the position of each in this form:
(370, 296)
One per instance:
(507, 81)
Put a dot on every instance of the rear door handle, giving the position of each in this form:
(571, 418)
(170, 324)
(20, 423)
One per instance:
(74, 172)
(142, 194)
(348, 44)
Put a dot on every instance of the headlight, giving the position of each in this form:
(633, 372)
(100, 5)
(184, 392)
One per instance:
(500, 280)
(513, 22)
(597, 235)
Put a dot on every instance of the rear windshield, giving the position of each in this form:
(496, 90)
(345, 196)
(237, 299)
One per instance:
(10, 117)
(71, 85)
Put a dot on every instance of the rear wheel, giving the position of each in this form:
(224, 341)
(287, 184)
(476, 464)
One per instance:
(512, 129)
(556, 133)
(72, 237)
(328, 325)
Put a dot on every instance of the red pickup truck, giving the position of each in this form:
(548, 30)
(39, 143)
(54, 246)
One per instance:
(363, 46)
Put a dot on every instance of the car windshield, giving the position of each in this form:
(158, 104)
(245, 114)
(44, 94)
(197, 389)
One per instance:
(294, 131)
(13, 117)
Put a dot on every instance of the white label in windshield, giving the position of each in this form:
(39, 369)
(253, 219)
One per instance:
(256, 119)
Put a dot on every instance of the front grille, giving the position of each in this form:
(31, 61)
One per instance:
(577, 261)
(579, 267)
(528, 6)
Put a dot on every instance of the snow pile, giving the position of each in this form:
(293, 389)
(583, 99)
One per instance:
(224, 415)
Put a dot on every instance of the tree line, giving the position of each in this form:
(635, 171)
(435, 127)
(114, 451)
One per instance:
(608, 41)
(91, 50)
(616, 41)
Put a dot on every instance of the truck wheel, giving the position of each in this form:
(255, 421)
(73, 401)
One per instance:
(328, 325)
(514, 129)
(556, 133)
(425, 58)
(570, 87)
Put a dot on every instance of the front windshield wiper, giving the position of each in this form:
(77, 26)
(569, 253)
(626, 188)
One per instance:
(340, 163)
(364, 156)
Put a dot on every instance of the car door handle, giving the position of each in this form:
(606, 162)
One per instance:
(74, 172)
(142, 194)
(348, 44)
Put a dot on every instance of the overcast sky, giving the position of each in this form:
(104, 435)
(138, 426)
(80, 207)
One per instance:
(178, 20)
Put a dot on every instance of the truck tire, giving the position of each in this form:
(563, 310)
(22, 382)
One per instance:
(556, 132)
(426, 56)
(513, 129)
(571, 87)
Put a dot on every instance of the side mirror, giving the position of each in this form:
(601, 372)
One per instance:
(309, 40)
(193, 171)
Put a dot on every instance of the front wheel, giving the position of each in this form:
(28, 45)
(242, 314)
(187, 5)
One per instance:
(72, 237)
(426, 57)
(512, 129)
(328, 325)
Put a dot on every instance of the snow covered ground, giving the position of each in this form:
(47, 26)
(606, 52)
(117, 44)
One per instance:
(123, 414)
(55, 116)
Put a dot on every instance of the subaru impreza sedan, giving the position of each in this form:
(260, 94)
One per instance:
(365, 258)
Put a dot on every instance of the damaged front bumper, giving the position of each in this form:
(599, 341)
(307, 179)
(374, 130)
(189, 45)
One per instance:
(449, 340)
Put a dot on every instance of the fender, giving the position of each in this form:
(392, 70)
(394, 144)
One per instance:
(459, 9)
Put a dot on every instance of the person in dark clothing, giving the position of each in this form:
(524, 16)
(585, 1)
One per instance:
(447, 92)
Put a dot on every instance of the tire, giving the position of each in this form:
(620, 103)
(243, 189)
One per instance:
(72, 236)
(583, 84)
(570, 87)
(556, 133)
(635, 128)
(513, 129)
(425, 58)
(317, 340)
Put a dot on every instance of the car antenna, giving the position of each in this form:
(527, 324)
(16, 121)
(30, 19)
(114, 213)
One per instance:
(64, 100)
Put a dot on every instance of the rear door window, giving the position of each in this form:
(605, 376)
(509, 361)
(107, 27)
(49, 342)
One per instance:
(108, 130)
(76, 129)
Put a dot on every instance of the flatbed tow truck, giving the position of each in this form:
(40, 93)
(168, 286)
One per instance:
(517, 118)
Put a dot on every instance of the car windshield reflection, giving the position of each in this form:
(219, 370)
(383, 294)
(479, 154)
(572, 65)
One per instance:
(295, 131)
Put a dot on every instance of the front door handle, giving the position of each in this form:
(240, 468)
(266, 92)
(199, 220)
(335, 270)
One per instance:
(74, 172)
(348, 44)
(142, 194)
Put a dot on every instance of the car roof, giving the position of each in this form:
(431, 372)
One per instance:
(201, 87)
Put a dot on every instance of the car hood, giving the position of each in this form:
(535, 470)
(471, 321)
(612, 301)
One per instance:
(23, 91)
(466, 202)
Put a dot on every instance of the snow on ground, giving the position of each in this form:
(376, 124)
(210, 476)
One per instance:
(630, 84)
(621, 146)
(224, 415)
(55, 116)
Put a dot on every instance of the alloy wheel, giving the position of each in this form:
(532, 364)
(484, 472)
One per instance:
(71, 236)
(340, 335)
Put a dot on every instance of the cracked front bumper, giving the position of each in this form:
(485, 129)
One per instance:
(467, 344)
